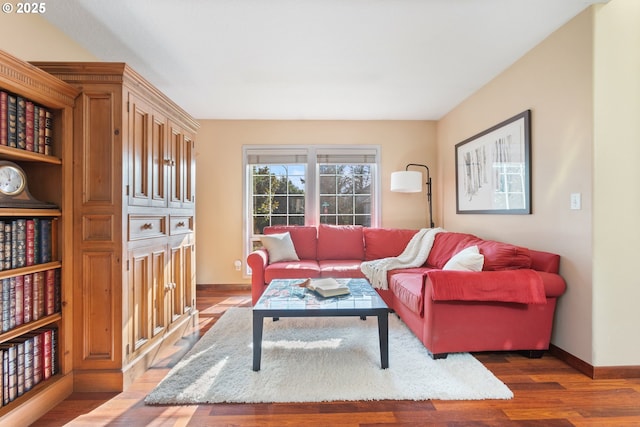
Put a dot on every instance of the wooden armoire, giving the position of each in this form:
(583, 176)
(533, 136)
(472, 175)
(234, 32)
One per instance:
(134, 222)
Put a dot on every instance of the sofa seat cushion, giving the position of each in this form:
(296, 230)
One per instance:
(292, 270)
(303, 238)
(341, 268)
(385, 242)
(340, 242)
(408, 289)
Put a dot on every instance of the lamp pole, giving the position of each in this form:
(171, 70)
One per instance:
(431, 223)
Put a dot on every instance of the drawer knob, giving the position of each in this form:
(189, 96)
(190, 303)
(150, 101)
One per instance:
(147, 226)
(180, 224)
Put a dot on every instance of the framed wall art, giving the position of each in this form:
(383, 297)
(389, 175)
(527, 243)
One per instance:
(493, 169)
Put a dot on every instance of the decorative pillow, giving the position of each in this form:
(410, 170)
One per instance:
(469, 259)
(280, 247)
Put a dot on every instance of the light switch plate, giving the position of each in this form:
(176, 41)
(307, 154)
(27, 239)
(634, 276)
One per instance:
(576, 201)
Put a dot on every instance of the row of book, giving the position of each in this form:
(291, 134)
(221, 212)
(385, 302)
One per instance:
(26, 241)
(29, 297)
(25, 124)
(26, 361)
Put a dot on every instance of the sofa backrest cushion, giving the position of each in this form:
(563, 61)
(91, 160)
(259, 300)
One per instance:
(303, 237)
(446, 245)
(340, 242)
(503, 256)
(497, 255)
(385, 242)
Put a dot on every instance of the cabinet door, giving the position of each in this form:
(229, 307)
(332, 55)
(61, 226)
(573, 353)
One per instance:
(160, 160)
(182, 167)
(139, 114)
(182, 281)
(139, 298)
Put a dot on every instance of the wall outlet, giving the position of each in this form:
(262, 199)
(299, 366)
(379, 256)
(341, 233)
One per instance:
(576, 201)
(237, 264)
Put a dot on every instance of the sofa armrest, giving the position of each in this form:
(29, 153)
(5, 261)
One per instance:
(521, 286)
(257, 261)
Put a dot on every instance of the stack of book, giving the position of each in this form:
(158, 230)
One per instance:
(29, 297)
(25, 241)
(25, 124)
(26, 361)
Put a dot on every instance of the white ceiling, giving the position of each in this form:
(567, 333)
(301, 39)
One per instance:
(314, 59)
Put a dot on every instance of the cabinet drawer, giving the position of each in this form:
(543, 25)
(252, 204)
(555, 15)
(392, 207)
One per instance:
(180, 224)
(147, 226)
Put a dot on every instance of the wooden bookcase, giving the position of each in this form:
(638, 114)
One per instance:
(49, 178)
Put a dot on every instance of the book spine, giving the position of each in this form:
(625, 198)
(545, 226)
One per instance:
(58, 291)
(12, 302)
(37, 245)
(3, 119)
(19, 244)
(36, 128)
(28, 363)
(46, 354)
(21, 117)
(1, 245)
(45, 240)
(41, 133)
(38, 289)
(6, 303)
(30, 257)
(54, 351)
(4, 362)
(8, 239)
(12, 121)
(12, 373)
(50, 292)
(19, 300)
(20, 368)
(48, 133)
(28, 297)
(28, 126)
(37, 358)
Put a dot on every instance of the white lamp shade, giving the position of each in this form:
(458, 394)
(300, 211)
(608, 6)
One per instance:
(406, 181)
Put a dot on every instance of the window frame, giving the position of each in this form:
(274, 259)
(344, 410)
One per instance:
(312, 190)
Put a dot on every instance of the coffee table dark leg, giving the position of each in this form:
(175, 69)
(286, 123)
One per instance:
(383, 332)
(257, 340)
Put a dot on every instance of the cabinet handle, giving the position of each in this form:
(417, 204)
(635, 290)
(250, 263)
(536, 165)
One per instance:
(180, 224)
(147, 226)
(169, 162)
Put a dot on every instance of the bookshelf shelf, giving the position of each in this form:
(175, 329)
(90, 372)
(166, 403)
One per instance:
(30, 269)
(16, 154)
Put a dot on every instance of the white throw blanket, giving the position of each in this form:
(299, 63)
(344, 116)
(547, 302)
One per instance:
(414, 255)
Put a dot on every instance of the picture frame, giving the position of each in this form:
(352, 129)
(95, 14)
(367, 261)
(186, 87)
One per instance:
(493, 169)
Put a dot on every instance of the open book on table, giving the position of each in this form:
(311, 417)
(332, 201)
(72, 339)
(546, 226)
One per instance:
(327, 287)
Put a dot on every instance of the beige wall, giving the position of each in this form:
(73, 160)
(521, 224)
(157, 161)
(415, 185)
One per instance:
(32, 38)
(219, 177)
(554, 81)
(616, 282)
(582, 85)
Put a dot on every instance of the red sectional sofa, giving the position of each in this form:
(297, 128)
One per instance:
(509, 305)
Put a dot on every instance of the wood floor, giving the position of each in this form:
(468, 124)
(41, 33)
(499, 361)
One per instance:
(547, 393)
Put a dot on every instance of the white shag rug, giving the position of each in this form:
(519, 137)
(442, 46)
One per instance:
(319, 359)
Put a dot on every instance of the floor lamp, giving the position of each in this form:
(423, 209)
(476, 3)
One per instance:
(407, 181)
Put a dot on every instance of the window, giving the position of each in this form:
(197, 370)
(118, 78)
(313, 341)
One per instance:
(308, 186)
